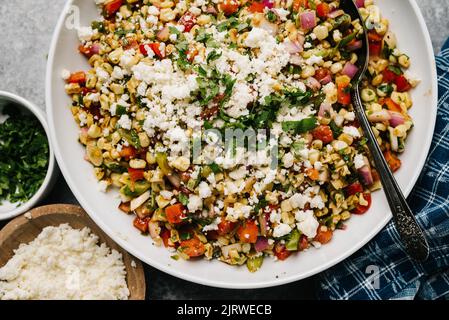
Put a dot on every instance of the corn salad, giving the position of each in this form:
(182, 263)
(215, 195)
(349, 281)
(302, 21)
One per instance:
(168, 75)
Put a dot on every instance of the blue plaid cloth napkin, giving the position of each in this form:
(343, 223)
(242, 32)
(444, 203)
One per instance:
(381, 269)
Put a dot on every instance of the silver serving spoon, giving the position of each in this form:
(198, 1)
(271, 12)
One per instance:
(411, 234)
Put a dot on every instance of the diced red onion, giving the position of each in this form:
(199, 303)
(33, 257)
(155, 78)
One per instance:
(379, 116)
(326, 80)
(365, 173)
(396, 119)
(335, 14)
(268, 3)
(355, 45)
(95, 49)
(324, 108)
(393, 140)
(292, 47)
(308, 20)
(211, 10)
(261, 244)
(296, 60)
(313, 83)
(175, 180)
(163, 34)
(350, 70)
(360, 3)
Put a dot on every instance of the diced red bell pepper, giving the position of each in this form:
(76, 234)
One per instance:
(391, 105)
(323, 133)
(175, 213)
(353, 189)
(225, 227)
(402, 84)
(135, 174)
(389, 76)
(248, 232)
(297, 4)
(229, 7)
(281, 252)
(141, 224)
(375, 48)
(193, 248)
(77, 77)
(393, 162)
(256, 7)
(322, 10)
(155, 47)
(112, 6)
(128, 152)
(323, 236)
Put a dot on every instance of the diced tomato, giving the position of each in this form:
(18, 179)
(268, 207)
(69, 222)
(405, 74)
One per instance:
(192, 248)
(312, 173)
(322, 73)
(112, 6)
(229, 7)
(77, 77)
(248, 232)
(166, 235)
(391, 105)
(343, 90)
(135, 174)
(344, 95)
(303, 243)
(374, 37)
(375, 48)
(86, 50)
(297, 4)
(324, 235)
(353, 189)
(402, 84)
(389, 76)
(256, 7)
(323, 133)
(362, 209)
(188, 20)
(225, 227)
(281, 252)
(393, 162)
(175, 213)
(128, 152)
(155, 47)
(141, 224)
(322, 10)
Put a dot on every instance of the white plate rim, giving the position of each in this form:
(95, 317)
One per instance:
(219, 284)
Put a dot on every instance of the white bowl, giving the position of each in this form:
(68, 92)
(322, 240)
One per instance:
(406, 21)
(11, 210)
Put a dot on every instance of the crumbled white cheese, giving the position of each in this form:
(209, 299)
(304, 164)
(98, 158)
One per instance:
(125, 122)
(64, 263)
(281, 230)
(307, 223)
(195, 203)
(352, 131)
(213, 225)
(359, 161)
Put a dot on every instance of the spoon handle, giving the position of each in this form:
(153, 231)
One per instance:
(411, 234)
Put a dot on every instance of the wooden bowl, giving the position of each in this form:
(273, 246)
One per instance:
(26, 228)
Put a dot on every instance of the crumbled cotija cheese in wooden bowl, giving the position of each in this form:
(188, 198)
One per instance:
(64, 263)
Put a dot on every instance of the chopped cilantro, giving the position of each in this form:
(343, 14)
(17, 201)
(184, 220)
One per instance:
(24, 155)
(302, 126)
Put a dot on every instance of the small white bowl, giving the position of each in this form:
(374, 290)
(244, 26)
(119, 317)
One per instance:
(11, 210)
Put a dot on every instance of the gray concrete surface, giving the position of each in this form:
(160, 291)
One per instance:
(26, 30)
